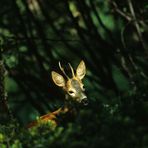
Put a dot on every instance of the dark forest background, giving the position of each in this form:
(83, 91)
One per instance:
(110, 36)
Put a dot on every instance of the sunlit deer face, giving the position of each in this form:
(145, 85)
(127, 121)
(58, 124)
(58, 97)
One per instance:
(73, 86)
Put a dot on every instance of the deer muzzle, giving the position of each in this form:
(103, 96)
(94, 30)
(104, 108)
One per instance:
(84, 99)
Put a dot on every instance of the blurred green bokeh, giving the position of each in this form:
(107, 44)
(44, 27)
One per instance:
(110, 36)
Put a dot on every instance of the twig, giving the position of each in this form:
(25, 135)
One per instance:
(136, 23)
(122, 35)
(126, 16)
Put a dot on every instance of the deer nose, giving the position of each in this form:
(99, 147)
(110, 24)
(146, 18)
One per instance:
(84, 101)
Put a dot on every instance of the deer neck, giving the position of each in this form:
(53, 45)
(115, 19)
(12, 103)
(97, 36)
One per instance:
(70, 105)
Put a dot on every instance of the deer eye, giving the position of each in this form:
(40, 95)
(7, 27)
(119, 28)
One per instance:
(83, 87)
(71, 92)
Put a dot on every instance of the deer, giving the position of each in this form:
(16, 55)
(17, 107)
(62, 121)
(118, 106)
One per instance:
(74, 90)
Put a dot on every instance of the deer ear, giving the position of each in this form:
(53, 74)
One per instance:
(81, 70)
(58, 79)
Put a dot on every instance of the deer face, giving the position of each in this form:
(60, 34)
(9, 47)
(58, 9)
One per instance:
(73, 87)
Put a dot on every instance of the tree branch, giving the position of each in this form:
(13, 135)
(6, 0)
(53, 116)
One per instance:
(136, 23)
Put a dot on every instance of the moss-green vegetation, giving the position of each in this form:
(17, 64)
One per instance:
(110, 36)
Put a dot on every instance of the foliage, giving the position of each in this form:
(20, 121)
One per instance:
(113, 126)
(110, 36)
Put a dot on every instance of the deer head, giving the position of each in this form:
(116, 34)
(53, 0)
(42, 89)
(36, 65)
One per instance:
(73, 87)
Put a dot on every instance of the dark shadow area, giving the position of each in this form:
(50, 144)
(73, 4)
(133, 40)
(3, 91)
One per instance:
(110, 36)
